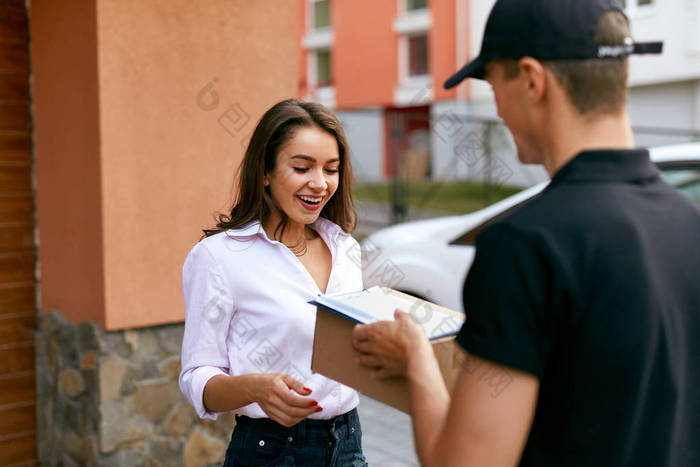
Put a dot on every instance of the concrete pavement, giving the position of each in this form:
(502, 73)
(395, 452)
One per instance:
(375, 216)
(387, 436)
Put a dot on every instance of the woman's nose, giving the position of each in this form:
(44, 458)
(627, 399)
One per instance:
(318, 180)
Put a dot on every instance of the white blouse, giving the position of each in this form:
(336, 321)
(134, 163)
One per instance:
(247, 312)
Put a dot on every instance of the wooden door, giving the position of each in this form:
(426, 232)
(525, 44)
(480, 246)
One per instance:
(17, 302)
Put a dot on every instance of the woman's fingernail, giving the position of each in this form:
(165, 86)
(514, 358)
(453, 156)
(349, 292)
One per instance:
(307, 389)
(319, 409)
(313, 403)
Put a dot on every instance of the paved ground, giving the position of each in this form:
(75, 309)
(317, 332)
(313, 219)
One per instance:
(387, 436)
(374, 216)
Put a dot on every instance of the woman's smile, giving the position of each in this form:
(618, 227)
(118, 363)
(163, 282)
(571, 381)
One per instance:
(312, 203)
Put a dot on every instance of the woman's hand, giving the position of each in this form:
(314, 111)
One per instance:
(275, 394)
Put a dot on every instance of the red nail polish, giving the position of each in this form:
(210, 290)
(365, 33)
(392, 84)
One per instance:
(313, 403)
(319, 409)
(307, 389)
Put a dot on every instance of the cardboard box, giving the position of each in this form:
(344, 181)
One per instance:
(334, 357)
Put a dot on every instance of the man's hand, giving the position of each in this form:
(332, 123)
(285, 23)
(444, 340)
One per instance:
(389, 346)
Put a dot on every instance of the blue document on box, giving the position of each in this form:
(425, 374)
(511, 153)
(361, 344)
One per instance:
(378, 304)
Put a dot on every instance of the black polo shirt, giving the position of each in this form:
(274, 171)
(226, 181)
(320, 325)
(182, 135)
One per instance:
(594, 287)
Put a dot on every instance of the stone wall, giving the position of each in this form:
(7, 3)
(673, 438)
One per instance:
(112, 399)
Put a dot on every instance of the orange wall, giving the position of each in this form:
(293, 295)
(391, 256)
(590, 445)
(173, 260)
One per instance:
(180, 85)
(301, 52)
(67, 152)
(443, 49)
(365, 52)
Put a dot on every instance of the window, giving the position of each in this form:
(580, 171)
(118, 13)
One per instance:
(684, 176)
(321, 14)
(323, 68)
(416, 5)
(417, 55)
(318, 43)
(633, 3)
(412, 26)
(632, 6)
(686, 179)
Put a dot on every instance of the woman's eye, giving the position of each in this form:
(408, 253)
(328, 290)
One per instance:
(300, 170)
(332, 171)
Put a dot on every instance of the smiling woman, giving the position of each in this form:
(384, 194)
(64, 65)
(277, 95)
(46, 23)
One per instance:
(305, 178)
(249, 328)
(289, 123)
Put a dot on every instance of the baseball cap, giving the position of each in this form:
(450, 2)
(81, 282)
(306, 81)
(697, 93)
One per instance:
(547, 30)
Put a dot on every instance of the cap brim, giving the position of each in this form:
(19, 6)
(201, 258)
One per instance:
(474, 69)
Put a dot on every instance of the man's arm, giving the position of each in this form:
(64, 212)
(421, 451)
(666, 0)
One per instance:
(486, 422)
(479, 428)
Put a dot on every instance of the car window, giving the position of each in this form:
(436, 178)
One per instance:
(682, 175)
(686, 179)
(469, 238)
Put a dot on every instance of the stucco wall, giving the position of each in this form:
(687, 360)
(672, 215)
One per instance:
(67, 156)
(143, 110)
(366, 68)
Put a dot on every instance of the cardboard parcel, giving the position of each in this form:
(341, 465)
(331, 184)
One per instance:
(335, 357)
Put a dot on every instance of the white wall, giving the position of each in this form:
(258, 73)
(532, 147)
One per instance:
(460, 146)
(478, 15)
(664, 89)
(665, 113)
(677, 23)
(365, 133)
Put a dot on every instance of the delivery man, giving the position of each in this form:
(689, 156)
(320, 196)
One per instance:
(588, 295)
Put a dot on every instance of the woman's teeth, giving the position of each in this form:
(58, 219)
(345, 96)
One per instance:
(309, 200)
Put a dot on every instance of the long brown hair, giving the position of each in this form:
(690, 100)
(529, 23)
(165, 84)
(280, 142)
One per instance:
(276, 127)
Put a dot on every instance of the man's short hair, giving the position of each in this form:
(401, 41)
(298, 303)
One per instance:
(594, 86)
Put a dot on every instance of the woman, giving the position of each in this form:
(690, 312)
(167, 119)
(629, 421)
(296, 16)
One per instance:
(249, 329)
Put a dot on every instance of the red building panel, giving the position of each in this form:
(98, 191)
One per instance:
(365, 53)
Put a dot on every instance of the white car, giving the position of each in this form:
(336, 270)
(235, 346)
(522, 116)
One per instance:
(430, 258)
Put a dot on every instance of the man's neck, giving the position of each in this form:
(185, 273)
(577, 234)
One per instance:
(573, 134)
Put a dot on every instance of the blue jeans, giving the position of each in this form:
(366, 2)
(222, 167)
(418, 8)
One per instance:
(263, 442)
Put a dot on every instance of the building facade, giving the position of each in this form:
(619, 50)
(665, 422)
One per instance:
(664, 98)
(121, 128)
(664, 94)
(381, 66)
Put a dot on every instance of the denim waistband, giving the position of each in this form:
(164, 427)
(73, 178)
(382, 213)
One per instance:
(306, 426)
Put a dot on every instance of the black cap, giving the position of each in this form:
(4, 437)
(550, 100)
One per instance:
(547, 30)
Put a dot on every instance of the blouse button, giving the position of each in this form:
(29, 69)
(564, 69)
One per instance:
(290, 439)
(261, 443)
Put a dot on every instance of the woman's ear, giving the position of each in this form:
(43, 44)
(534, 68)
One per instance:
(266, 181)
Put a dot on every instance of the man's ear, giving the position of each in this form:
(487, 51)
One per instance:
(535, 76)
